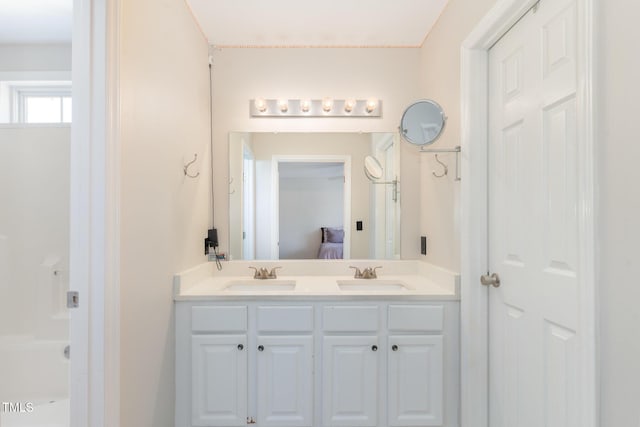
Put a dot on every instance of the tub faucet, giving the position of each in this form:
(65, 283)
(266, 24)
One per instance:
(263, 273)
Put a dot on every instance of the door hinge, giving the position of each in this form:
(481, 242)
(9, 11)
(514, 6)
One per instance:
(73, 299)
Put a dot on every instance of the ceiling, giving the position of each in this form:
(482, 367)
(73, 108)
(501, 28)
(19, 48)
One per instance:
(36, 21)
(259, 23)
(327, 23)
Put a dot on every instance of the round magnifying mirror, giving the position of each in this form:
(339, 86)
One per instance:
(422, 122)
(372, 168)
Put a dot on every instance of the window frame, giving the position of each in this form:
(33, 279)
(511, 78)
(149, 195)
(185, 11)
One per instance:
(21, 93)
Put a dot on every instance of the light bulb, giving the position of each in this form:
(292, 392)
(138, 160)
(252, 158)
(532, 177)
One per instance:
(372, 104)
(260, 104)
(305, 105)
(349, 105)
(327, 104)
(283, 104)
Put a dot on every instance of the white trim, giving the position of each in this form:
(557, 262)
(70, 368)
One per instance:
(94, 248)
(112, 220)
(474, 129)
(33, 125)
(275, 223)
(35, 75)
(586, 64)
(20, 93)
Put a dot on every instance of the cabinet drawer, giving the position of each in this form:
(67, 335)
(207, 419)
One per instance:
(350, 319)
(219, 319)
(422, 318)
(285, 319)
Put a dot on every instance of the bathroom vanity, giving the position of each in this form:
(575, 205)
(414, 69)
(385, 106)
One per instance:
(316, 347)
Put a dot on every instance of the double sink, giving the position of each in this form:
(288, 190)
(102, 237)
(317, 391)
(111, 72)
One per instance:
(347, 285)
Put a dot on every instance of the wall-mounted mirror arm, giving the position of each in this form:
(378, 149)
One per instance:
(395, 183)
(374, 171)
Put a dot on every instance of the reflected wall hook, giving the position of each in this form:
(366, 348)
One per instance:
(186, 167)
(444, 172)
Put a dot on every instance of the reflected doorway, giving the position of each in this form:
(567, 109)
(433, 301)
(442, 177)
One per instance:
(310, 193)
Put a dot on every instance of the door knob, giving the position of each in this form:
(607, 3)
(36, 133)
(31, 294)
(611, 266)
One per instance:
(240, 347)
(394, 347)
(374, 347)
(260, 348)
(493, 280)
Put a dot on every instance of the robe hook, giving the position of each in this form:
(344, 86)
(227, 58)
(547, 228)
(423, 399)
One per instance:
(444, 172)
(186, 167)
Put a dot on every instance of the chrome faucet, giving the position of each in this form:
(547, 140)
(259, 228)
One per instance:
(263, 273)
(367, 273)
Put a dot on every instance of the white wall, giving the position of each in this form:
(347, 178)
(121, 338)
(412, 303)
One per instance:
(34, 227)
(440, 81)
(164, 104)
(392, 75)
(618, 154)
(20, 58)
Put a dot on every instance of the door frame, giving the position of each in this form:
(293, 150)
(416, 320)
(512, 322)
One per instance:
(275, 204)
(474, 331)
(94, 215)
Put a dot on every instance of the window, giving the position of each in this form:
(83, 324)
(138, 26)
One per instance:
(35, 101)
(34, 104)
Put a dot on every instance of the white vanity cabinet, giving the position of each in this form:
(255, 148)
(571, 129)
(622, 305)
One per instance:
(350, 365)
(218, 365)
(219, 379)
(317, 363)
(247, 364)
(284, 365)
(415, 365)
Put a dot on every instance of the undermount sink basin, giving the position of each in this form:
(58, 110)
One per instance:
(256, 285)
(370, 285)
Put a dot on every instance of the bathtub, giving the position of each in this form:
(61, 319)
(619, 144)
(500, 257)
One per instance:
(34, 371)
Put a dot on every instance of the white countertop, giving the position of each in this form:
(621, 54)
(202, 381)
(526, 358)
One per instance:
(415, 279)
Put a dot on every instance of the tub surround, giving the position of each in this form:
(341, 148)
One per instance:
(317, 278)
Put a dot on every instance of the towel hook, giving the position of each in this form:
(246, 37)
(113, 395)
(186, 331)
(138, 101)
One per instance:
(444, 172)
(186, 167)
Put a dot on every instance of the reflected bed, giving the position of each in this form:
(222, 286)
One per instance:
(331, 246)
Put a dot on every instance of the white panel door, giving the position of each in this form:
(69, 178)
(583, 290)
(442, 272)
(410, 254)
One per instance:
(415, 384)
(219, 380)
(350, 381)
(285, 381)
(533, 228)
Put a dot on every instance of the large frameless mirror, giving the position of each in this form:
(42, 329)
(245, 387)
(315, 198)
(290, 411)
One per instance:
(304, 195)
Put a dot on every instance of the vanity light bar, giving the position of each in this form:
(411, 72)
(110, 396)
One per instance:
(326, 107)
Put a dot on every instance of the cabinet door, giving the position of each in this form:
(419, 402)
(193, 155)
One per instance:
(285, 381)
(350, 381)
(219, 380)
(415, 380)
